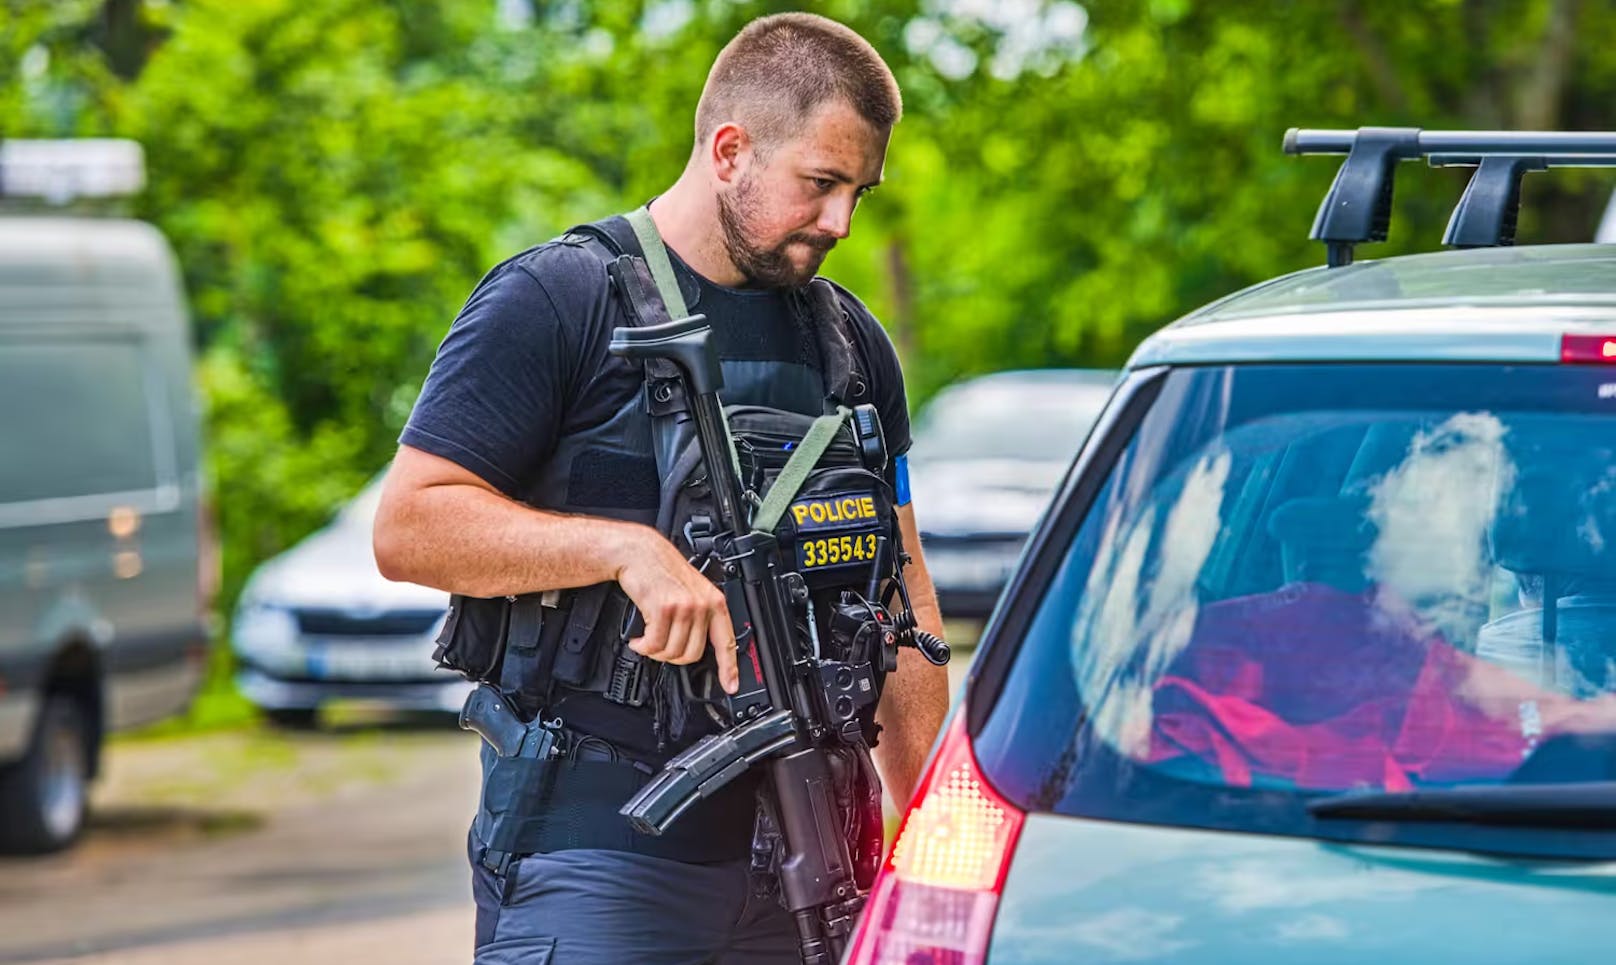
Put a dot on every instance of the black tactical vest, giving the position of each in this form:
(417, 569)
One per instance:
(561, 651)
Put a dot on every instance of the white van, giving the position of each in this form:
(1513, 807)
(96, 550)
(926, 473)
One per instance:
(103, 577)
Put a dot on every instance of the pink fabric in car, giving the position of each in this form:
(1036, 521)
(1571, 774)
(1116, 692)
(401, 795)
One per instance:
(1322, 688)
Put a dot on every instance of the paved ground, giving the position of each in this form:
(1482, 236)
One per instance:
(262, 848)
(254, 847)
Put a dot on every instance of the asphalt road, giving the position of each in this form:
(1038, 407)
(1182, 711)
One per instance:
(250, 848)
(259, 848)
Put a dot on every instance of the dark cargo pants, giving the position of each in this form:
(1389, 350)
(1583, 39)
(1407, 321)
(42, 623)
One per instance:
(615, 908)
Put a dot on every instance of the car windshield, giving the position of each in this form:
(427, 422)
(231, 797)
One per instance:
(1330, 578)
(1043, 419)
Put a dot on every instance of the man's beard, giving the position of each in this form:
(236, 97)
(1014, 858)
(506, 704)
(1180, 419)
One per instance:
(764, 267)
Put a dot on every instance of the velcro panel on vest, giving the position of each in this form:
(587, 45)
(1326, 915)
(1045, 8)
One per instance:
(536, 806)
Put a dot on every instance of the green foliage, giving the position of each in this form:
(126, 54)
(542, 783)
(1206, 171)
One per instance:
(336, 174)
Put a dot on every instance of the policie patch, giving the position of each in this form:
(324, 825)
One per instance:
(841, 529)
(834, 512)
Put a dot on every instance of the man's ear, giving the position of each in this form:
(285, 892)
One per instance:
(730, 152)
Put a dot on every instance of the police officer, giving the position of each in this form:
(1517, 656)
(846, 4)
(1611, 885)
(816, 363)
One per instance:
(515, 477)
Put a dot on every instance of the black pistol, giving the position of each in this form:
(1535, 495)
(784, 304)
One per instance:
(487, 713)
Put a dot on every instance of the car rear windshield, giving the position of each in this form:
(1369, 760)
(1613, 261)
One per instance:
(1298, 581)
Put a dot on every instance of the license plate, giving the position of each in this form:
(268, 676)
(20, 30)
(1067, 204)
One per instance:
(371, 661)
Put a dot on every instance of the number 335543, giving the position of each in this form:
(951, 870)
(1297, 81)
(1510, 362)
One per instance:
(838, 549)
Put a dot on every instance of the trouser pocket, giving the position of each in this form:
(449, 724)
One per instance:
(516, 951)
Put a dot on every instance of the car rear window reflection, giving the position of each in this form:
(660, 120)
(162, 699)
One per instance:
(1316, 579)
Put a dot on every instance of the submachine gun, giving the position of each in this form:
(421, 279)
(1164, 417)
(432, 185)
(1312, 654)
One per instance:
(798, 711)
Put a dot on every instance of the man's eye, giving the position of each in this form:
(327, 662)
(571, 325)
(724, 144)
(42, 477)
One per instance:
(824, 184)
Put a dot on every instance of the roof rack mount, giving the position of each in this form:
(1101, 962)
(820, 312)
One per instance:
(1358, 207)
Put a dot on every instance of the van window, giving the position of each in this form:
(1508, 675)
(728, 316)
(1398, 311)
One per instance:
(75, 420)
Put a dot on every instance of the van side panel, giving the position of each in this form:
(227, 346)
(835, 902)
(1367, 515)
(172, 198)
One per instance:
(98, 532)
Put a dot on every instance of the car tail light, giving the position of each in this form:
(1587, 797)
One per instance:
(935, 900)
(1588, 348)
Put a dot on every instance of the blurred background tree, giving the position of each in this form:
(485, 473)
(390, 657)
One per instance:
(336, 174)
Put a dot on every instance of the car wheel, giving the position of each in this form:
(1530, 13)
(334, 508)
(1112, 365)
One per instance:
(45, 796)
(300, 718)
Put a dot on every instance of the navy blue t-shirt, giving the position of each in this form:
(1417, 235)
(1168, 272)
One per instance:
(525, 363)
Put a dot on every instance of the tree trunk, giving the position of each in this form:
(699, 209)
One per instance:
(1542, 91)
(124, 37)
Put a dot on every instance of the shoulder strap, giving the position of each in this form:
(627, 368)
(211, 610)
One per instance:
(844, 384)
(656, 256)
(786, 485)
(614, 234)
(652, 303)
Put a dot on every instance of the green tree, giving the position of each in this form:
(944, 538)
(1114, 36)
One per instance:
(336, 174)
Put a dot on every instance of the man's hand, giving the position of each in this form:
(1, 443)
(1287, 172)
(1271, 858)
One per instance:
(441, 525)
(682, 609)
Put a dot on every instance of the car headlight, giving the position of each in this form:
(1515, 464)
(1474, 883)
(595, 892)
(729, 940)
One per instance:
(266, 635)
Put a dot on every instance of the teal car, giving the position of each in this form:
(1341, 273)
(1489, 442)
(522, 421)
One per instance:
(1313, 657)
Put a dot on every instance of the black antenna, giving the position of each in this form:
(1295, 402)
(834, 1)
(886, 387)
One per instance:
(1358, 207)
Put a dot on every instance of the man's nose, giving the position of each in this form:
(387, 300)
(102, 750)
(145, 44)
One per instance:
(836, 217)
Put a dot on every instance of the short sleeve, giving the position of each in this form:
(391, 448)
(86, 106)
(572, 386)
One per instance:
(494, 399)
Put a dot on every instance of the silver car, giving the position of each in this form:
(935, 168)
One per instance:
(319, 623)
(987, 457)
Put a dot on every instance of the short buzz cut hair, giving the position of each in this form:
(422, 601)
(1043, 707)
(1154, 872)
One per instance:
(780, 68)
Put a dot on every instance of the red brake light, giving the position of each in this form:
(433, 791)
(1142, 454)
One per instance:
(937, 896)
(1588, 348)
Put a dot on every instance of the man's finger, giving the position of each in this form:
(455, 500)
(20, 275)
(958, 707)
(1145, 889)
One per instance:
(678, 645)
(653, 641)
(723, 637)
(695, 640)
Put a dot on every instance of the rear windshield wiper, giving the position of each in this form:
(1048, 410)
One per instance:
(1589, 804)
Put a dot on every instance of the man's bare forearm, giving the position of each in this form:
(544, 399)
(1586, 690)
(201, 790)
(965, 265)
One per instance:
(466, 539)
(915, 701)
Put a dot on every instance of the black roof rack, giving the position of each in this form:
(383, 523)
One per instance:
(1358, 207)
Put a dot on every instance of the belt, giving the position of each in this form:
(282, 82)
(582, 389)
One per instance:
(567, 803)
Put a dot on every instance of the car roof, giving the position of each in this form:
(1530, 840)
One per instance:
(1486, 304)
(57, 271)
